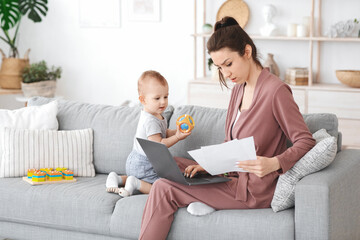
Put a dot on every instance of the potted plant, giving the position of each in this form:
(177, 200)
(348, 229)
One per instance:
(39, 80)
(11, 12)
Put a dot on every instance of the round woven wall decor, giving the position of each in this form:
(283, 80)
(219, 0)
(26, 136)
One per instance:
(237, 9)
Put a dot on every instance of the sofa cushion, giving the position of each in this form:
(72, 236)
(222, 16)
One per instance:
(208, 131)
(36, 117)
(319, 157)
(114, 129)
(11, 230)
(128, 210)
(82, 206)
(317, 121)
(327, 121)
(223, 224)
(33, 148)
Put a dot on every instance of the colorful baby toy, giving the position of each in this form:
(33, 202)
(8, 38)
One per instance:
(186, 123)
(49, 175)
(68, 175)
(55, 176)
(31, 172)
(38, 176)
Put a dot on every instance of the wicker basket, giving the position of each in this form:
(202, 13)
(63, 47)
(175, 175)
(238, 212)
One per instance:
(11, 70)
(43, 89)
(349, 77)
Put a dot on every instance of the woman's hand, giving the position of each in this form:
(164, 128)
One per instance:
(181, 135)
(261, 167)
(191, 170)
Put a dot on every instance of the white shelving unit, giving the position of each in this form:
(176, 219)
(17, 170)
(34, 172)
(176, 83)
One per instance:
(315, 97)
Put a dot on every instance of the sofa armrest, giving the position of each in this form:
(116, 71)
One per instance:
(326, 202)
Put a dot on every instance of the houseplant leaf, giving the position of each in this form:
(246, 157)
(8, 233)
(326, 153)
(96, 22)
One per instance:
(9, 13)
(39, 71)
(34, 7)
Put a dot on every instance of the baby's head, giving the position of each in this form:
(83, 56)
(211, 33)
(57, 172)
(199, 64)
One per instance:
(153, 91)
(148, 79)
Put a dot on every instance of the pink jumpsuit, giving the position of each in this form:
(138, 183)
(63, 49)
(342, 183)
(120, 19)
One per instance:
(272, 117)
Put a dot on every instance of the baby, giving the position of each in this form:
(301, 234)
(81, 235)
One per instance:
(153, 94)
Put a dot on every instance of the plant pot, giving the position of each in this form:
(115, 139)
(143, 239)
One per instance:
(11, 71)
(42, 88)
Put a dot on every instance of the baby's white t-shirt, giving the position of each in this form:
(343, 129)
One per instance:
(148, 125)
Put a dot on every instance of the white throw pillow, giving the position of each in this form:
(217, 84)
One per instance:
(24, 149)
(319, 157)
(33, 117)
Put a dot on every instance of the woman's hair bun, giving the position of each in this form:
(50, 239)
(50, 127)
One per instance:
(225, 22)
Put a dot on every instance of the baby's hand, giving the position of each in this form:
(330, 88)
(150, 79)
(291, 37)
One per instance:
(181, 135)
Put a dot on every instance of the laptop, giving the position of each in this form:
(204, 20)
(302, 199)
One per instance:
(166, 167)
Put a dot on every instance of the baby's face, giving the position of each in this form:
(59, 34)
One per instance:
(155, 97)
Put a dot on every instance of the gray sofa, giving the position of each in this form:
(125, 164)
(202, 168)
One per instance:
(326, 201)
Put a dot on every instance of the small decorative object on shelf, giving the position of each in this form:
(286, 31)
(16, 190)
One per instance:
(271, 64)
(269, 29)
(306, 22)
(357, 22)
(39, 80)
(349, 77)
(342, 29)
(291, 29)
(297, 76)
(301, 30)
(207, 28)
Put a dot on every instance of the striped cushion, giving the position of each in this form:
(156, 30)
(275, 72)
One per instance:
(24, 149)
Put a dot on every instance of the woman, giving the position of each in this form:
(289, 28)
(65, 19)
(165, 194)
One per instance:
(261, 106)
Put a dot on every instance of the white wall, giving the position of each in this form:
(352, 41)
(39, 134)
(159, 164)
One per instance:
(101, 65)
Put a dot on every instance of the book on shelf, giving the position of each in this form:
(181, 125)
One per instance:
(297, 76)
(297, 83)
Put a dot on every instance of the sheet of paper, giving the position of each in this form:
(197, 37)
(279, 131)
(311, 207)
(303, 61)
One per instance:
(222, 158)
(199, 157)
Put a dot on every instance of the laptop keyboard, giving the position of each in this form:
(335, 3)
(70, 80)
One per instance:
(196, 179)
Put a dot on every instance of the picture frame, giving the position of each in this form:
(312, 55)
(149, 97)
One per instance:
(144, 10)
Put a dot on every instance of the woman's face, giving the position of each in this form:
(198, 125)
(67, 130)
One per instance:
(233, 66)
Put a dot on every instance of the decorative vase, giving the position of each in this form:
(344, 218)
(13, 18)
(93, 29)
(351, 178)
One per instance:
(11, 71)
(271, 64)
